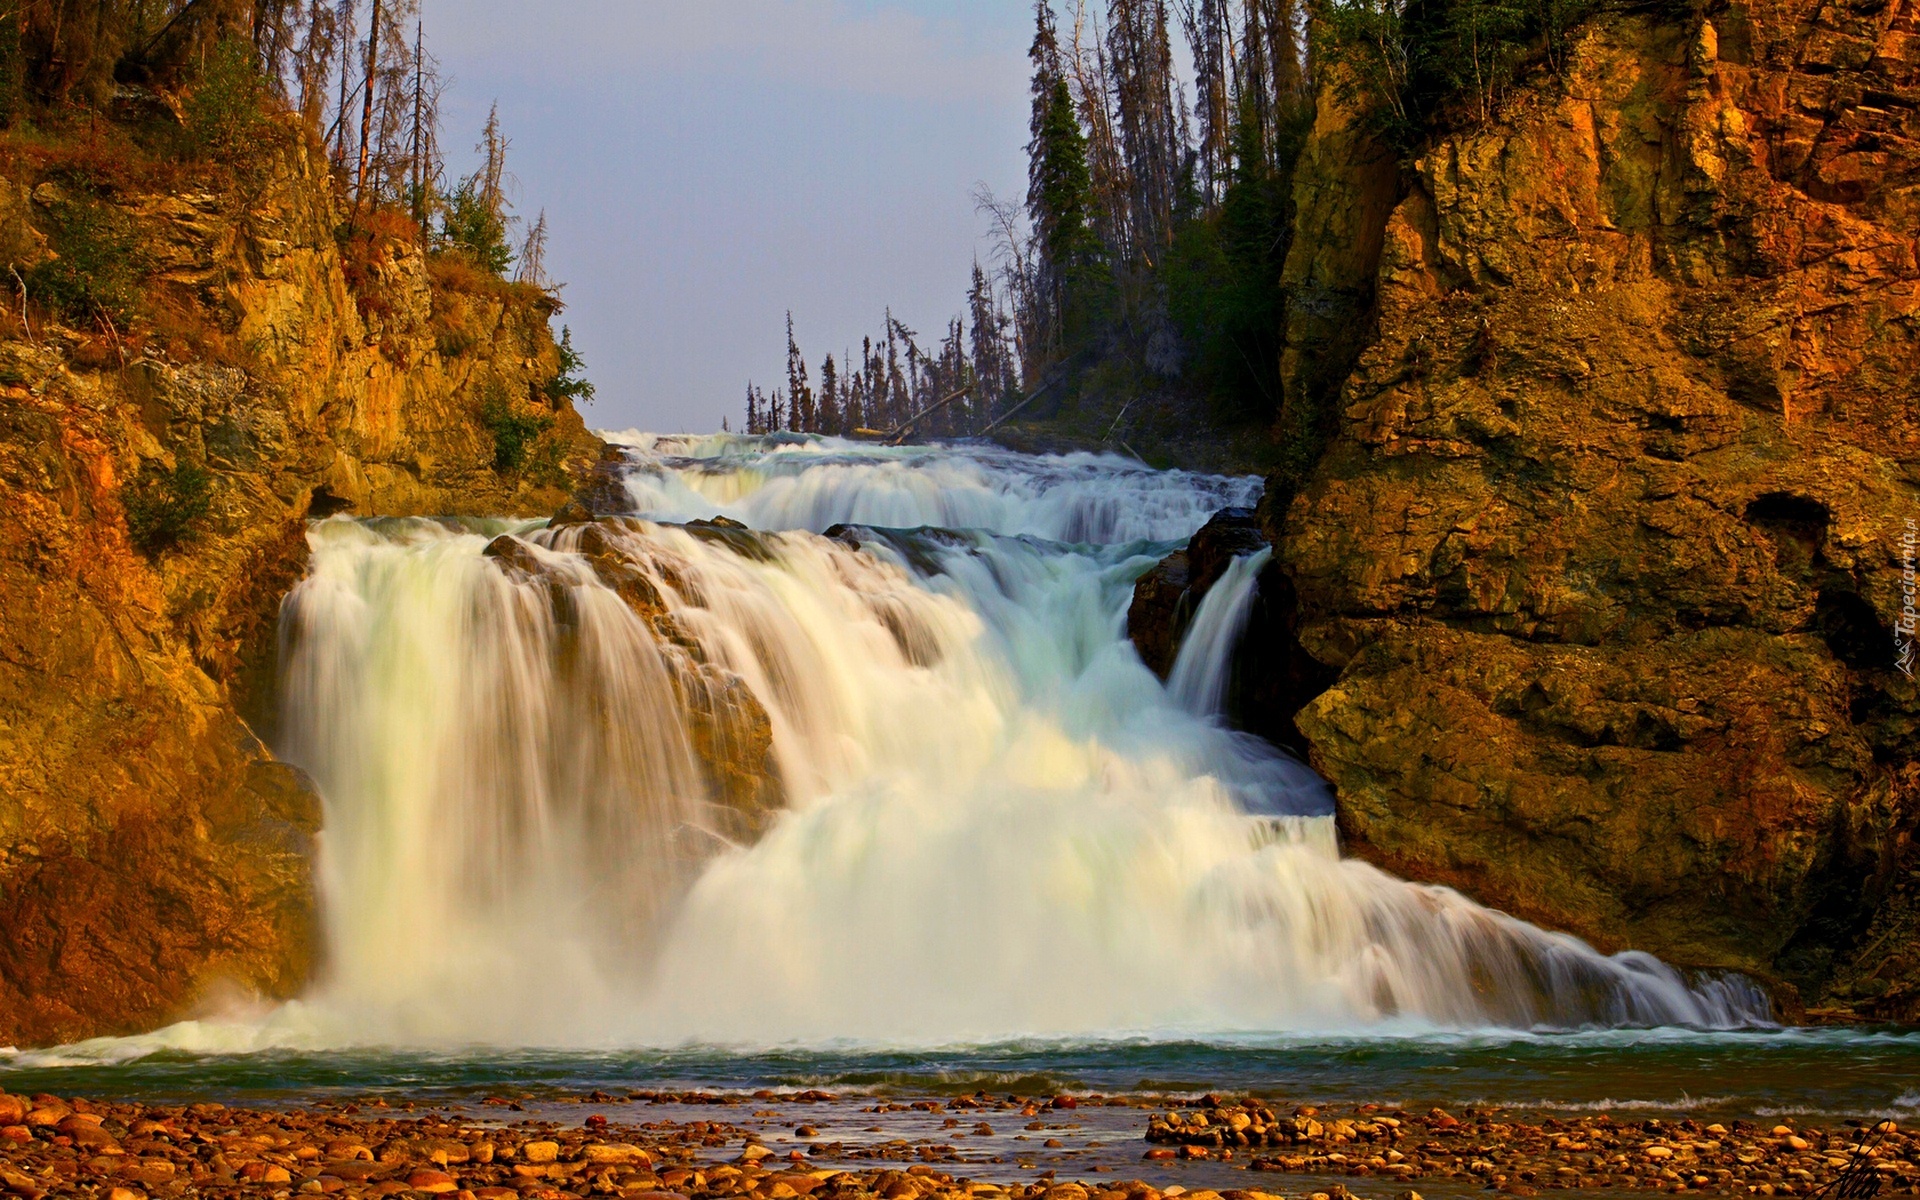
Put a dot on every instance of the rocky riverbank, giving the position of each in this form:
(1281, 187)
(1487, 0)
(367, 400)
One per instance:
(605, 1145)
(54, 1147)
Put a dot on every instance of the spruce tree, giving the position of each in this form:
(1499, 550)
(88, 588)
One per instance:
(1059, 189)
(992, 365)
(799, 395)
(855, 416)
(829, 403)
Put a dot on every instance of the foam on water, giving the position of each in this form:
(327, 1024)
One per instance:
(796, 482)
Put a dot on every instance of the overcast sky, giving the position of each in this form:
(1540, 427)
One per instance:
(705, 165)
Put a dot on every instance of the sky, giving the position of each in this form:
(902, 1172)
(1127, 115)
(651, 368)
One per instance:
(707, 165)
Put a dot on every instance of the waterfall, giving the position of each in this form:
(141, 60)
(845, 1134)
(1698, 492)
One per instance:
(993, 821)
(814, 483)
(1204, 665)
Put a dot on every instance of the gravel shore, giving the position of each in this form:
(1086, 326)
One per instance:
(51, 1146)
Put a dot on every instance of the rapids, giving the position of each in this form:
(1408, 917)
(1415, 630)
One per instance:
(998, 823)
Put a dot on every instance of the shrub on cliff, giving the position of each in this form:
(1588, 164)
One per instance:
(1404, 62)
(475, 229)
(168, 507)
(97, 266)
(475, 221)
(515, 434)
(226, 118)
(569, 383)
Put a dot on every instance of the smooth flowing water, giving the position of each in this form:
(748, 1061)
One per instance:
(1006, 850)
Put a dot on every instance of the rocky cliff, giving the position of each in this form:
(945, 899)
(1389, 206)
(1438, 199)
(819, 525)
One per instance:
(277, 358)
(1606, 545)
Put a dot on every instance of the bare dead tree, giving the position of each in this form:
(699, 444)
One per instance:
(417, 194)
(533, 255)
(1093, 94)
(366, 100)
(345, 40)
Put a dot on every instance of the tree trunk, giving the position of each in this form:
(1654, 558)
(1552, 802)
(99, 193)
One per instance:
(366, 103)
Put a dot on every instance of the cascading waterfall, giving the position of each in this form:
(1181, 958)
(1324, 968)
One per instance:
(790, 482)
(998, 823)
(1204, 665)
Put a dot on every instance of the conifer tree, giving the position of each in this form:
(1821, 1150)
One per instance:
(1059, 186)
(898, 394)
(830, 408)
(992, 364)
(799, 394)
(855, 414)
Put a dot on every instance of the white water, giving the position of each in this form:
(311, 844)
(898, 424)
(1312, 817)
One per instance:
(999, 823)
(814, 483)
(1203, 667)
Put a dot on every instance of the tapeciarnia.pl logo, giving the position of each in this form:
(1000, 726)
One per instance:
(1903, 629)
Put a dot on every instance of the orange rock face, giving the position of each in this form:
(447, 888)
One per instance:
(153, 854)
(1607, 546)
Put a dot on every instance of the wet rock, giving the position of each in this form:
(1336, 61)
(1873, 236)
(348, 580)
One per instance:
(731, 730)
(724, 531)
(573, 512)
(1159, 613)
(1167, 596)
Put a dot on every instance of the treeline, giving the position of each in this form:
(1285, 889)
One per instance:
(1152, 231)
(1146, 261)
(953, 390)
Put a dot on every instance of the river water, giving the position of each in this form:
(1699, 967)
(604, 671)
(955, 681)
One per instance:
(1009, 857)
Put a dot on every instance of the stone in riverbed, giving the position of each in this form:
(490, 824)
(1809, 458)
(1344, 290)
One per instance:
(432, 1181)
(86, 1132)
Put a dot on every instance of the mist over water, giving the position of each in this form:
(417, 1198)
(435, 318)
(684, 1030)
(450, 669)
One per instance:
(999, 825)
